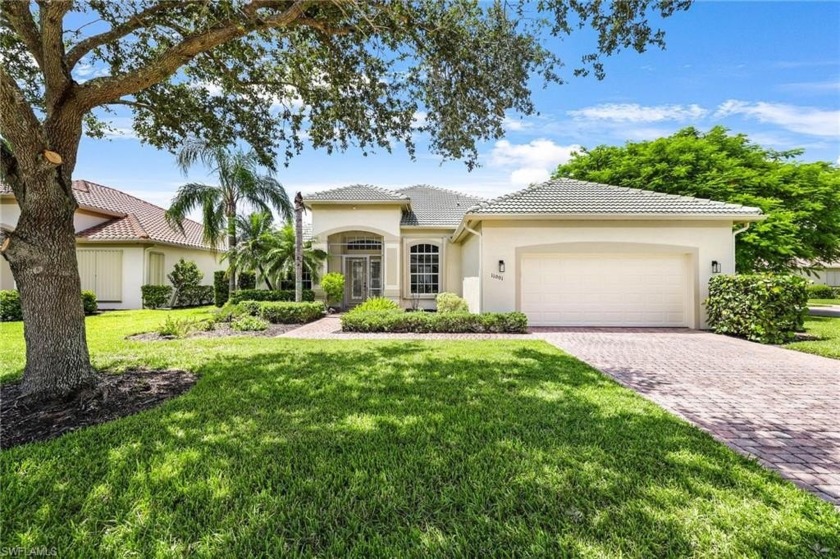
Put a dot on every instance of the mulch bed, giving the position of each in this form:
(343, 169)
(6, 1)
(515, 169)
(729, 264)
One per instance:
(221, 331)
(24, 421)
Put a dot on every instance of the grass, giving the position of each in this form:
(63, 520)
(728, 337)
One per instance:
(823, 302)
(390, 449)
(828, 330)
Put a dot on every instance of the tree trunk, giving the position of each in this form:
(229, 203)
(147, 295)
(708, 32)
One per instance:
(42, 256)
(298, 247)
(231, 241)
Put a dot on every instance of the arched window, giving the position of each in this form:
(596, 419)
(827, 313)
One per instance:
(424, 269)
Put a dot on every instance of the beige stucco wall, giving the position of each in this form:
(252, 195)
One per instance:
(509, 240)
(82, 219)
(827, 276)
(471, 270)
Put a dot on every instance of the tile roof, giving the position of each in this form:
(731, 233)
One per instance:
(356, 193)
(433, 206)
(575, 197)
(136, 219)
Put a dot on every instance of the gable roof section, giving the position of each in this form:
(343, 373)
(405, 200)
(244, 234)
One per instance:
(135, 219)
(362, 193)
(432, 206)
(579, 198)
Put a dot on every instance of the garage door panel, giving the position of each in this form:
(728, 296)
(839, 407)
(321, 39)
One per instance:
(605, 290)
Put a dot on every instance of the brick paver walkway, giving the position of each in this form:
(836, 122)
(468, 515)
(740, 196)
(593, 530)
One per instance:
(778, 405)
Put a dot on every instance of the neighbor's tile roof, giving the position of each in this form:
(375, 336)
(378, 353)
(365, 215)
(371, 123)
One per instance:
(575, 197)
(137, 219)
(356, 193)
(432, 206)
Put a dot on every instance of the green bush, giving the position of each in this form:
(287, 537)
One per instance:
(89, 302)
(185, 274)
(10, 310)
(194, 296)
(246, 280)
(221, 288)
(333, 286)
(290, 313)
(421, 322)
(229, 312)
(377, 304)
(270, 295)
(156, 296)
(249, 324)
(764, 308)
(449, 302)
(180, 327)
(821, 292)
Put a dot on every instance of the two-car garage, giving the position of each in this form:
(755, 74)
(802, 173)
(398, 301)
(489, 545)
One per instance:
(645, 290)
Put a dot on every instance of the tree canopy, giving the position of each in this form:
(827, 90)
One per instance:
(801, 200)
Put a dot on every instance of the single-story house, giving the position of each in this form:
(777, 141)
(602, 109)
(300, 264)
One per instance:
(825, 274)
(564, 252)
(122, 243)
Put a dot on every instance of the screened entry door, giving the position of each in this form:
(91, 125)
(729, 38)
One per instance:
(363, 279)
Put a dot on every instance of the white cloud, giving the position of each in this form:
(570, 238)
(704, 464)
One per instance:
(633, 112)
(804, 120)
(531, 162)
(829, 86)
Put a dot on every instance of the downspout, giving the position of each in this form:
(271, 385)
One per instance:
(480, 264)
(736, 233)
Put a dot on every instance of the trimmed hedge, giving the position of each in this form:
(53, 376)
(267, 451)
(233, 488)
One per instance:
(246, 280)
(270, 295)
(449, 303)
(290, 313)
(89, 302)
(156, 296)
(821, 292)
(10, 310)
(221, 288)
(421, 322)
(764, 308)
(194, 296)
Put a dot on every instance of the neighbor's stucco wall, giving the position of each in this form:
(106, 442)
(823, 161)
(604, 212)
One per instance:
(510, 240)
(826, 276)
(82, 219)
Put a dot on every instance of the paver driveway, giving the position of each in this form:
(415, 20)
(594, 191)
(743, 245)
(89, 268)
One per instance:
(781, 406)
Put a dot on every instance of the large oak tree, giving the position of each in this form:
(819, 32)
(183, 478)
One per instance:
(269, 73)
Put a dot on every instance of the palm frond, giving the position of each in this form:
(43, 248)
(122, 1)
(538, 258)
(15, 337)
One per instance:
(190, 197)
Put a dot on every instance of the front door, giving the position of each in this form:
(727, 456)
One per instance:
(357, 281)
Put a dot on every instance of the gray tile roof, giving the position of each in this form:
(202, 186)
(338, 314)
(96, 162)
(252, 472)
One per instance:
(432, 206)
(574, 197)
(356, 193)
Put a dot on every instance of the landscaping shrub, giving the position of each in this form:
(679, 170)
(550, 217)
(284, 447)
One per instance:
(377, 304)
(270, 295)
(249, 324)
(764, 308)
(290, 313)
(250, 307)
(156, 296)
(450, 303)
(333, 286)
(10, 310)
(194, 296)
(246, 280)
(89, 302)
(821, 292)
(229, 312)
(221, 288)
(453, 323)
(180, 327)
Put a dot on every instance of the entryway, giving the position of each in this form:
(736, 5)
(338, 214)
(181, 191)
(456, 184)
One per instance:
(363, 279)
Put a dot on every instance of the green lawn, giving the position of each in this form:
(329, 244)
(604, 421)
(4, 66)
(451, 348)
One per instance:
(823, 302)
(391, 449)
(828, 329)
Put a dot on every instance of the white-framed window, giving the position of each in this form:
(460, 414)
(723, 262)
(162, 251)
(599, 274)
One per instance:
(424, 269)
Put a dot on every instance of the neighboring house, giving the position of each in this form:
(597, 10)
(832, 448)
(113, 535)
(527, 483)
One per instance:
(825, 274)
(122, 243)
(565, 252)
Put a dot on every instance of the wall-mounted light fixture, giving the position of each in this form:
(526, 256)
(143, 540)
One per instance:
(501, 266)
(715, 267)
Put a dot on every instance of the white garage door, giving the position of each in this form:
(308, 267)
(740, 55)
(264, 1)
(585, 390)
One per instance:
(605, 290)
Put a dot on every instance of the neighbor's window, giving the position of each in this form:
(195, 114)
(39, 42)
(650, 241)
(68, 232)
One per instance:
(424, 269)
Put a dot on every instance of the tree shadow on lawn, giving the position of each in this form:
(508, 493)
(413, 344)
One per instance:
(408, 449)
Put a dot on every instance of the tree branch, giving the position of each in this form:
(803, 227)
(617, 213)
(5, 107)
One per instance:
(103, 90)
(56, 74)
(135, 22)
(19, 126)
(17, 13)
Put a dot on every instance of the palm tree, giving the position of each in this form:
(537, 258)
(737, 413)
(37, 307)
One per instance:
(255, 237)
(239, 182)
(279, 260)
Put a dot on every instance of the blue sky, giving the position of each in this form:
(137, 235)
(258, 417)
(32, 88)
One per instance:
(767, 69)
